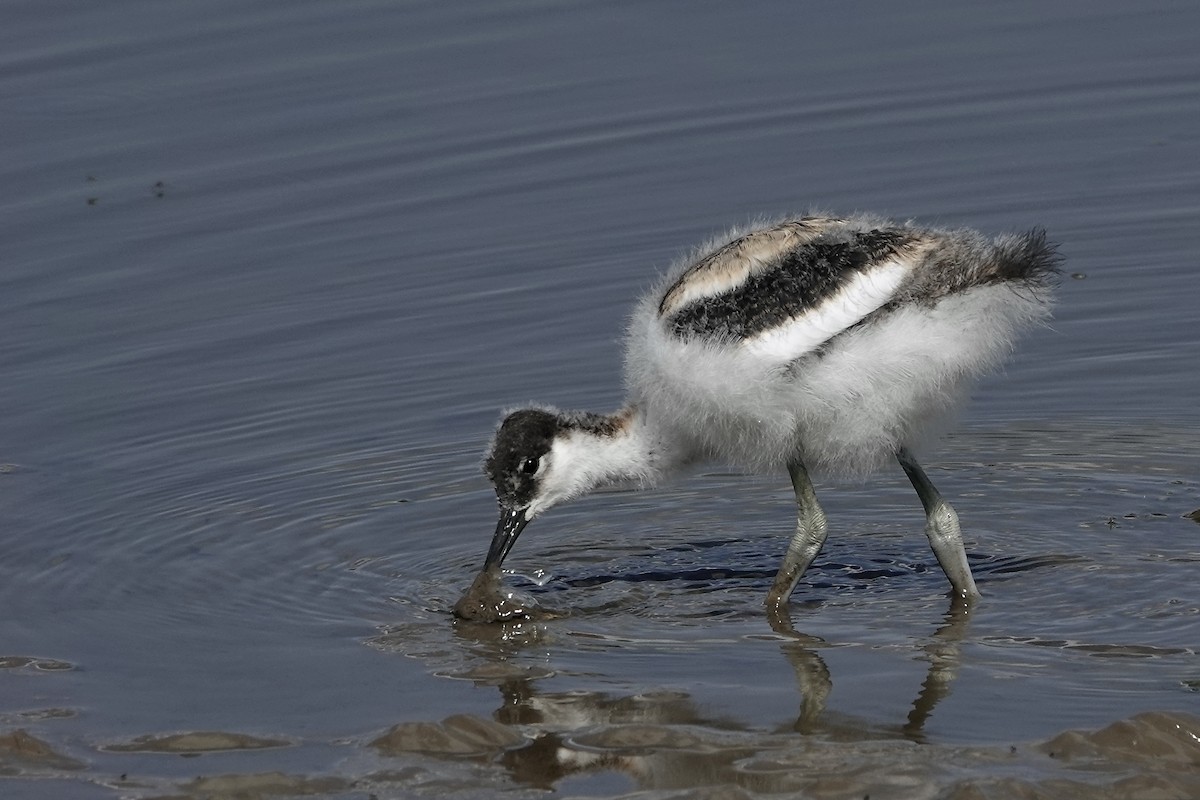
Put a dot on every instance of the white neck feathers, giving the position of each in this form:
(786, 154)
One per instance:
(582, 459)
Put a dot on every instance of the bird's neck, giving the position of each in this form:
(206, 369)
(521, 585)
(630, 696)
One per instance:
(595, 450)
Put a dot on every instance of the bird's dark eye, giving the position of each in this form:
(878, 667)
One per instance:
(529, 466)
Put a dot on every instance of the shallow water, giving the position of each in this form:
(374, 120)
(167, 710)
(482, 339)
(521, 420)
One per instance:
(268, 272)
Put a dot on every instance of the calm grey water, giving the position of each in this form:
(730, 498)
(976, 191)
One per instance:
(268, 272)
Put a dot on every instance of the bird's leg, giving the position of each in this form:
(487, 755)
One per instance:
(810, 535)
(941, 526)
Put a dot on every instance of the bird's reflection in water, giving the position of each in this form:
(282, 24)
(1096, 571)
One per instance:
(943, 650)
(815, 683)
(662, 740)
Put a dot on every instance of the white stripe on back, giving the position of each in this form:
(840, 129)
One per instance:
(862, 294)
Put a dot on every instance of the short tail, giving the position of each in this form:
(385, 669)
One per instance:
(1027, 260)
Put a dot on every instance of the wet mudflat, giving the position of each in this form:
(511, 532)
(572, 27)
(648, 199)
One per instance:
(270, 272)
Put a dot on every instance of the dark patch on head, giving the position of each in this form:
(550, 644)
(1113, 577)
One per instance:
(522, 440)
(800, 280)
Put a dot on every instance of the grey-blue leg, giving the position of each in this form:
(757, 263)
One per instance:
(941, 526)
(811, 530)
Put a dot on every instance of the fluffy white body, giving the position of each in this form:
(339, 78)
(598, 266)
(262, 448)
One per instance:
(760, 404)
(815, 342)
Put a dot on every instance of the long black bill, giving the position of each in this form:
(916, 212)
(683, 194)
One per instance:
(512, 522)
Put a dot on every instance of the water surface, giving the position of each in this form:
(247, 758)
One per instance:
(270, 271)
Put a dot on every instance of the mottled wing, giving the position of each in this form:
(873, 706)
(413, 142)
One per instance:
(783, 291)
(730, 265)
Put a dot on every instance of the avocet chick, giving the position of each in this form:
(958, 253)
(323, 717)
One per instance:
(824, 343)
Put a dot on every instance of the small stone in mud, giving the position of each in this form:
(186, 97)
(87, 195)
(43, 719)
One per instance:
(485, 601)
(195, 742)
(264, 784)
(459, 735)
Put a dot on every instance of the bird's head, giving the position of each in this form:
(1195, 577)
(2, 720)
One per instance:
(520, 467)
(541, 457)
